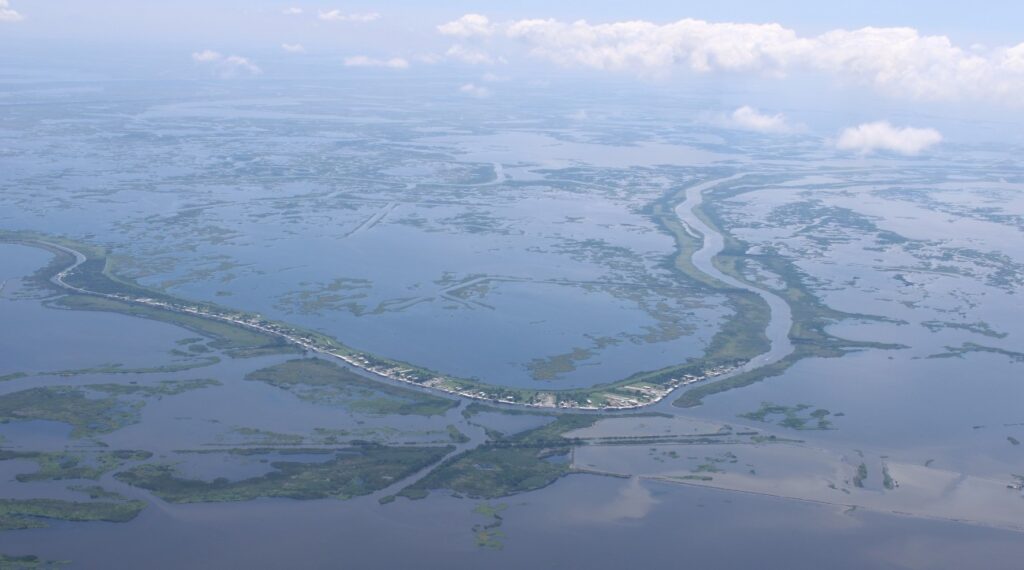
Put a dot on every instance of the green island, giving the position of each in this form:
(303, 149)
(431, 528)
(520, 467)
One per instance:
(17, 514)
(83, 409)
(971, 347)
(324, 382)
(351, 472)
(799, 417)
(489, 535)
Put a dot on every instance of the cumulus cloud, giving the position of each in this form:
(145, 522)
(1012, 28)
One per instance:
(292, 11)
(474, 90)
(467, 26)
(339, 16)
(896, 61)
(750, 119)
(881, 135)
(8, 14)
(364, 61)
(469, 55)
(293, 48)
(226, 66)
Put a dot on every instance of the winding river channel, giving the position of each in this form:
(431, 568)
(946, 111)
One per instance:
(781, 319)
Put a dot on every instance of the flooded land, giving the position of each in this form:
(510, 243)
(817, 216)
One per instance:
(246, 326)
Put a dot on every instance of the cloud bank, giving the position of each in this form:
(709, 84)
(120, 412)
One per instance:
(293, 48)
(881, 135)
(226, 67)
(895, 61)
(8, 14)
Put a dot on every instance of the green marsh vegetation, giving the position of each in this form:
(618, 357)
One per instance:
(351, 472)
(16, 514)
(233, 340)
(506, 466)
(90, 409)
(56, 466)
(798, 417)
(488, 534)
(320, 381)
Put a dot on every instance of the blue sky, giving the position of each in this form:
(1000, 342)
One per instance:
(246, 23)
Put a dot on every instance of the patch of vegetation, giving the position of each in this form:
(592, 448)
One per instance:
(352, 472)
(88, 412)
(887, 481)
(259, 436)
(692, 477)
(87, 416)
(232, 339)
(456, 435)
(793, 417)
(62, 465)
(506, 466)
(156, 390)
(12, 376)
(318, 380)
(487, 534)
(981, 328)
(28, 562)
(861, 475)
(120, 369)
(969, 347)
(552, 367)
(33, 513)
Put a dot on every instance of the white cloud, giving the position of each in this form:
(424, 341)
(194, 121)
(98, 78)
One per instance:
(8, 14)
(471, 56)
(750, 119)
(339, 16)
(895, 61)
(293, 48)
(881, 135)
(226, 67)
(364, 61)
(292, 11)
(474, 90)
(468, 26)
